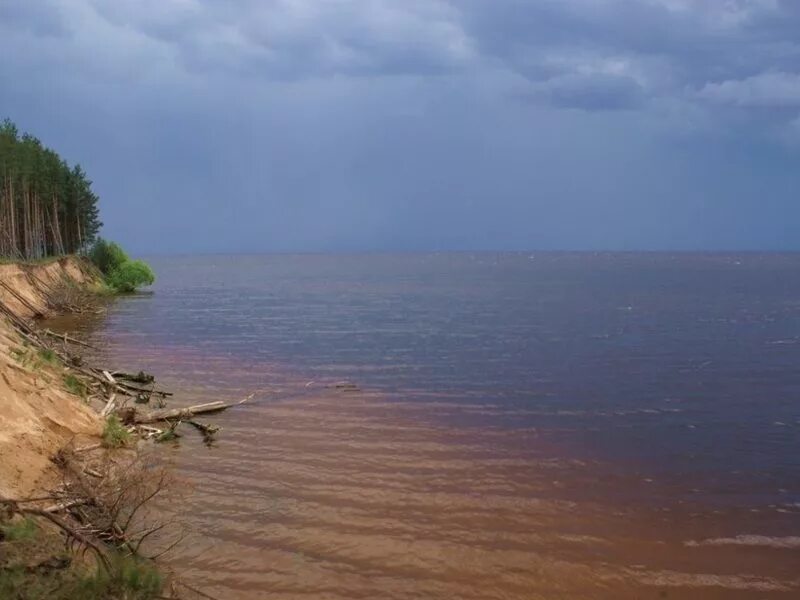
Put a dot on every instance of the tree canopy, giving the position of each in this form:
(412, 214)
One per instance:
(47, 207)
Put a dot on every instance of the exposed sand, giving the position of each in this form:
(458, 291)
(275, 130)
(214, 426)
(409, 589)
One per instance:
(37, 414)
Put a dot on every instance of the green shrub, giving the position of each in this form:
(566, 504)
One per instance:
(122, 275)
(114, 434)
(107, 256)
(130, 275)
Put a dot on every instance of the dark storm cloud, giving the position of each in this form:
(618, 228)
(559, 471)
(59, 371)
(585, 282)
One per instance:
(668, 48)
(585, 53)
(301, 39)
(358, 124)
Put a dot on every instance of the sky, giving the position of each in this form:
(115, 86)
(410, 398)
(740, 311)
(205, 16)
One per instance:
(405, 125)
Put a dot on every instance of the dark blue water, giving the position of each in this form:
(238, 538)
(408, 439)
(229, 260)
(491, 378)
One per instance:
(687, 365)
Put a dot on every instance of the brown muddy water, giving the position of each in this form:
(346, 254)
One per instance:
(525, 426)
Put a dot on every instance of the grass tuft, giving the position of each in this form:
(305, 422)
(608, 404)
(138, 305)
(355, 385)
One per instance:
(130, 578)
(17, 531)
(114, 434)
(48, 356)
(75, 385)
(20, 355)
(102, 289)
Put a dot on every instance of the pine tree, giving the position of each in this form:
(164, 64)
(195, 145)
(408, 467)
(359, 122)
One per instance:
(47, 208)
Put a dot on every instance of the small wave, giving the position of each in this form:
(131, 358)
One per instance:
(732, 582)
(790, 542)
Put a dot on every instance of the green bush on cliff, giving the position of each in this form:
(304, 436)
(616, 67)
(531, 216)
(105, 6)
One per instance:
(130, 275)
(107, 256)
(122, 275)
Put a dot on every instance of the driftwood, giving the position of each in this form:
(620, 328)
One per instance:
(136, 389)
(61, 507)
(208, 431)
(109, 407)
(186, 413)
(140, 377)
(88, 448)
(121, 383)
(65, 338)
(121, 387)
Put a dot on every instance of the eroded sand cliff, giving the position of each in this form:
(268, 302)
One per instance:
(37, 413)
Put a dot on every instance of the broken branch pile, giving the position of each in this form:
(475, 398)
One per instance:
(114, 388)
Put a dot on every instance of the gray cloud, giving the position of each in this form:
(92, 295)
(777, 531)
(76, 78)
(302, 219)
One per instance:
(594, 91)
(302, 124)
(300, 39)
(660, 49)
(765, 90)
(576, 53)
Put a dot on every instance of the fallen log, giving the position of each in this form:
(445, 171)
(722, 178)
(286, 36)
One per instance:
(55, 508)
(88, 448)
(142, 390)
(140, 377)
(208, 431)
(64, 337)
(109, 406)
(121, 387)
(185, 413)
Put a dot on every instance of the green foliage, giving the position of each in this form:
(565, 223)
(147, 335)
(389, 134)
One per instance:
(122, 275)
(130, 275)
(22, 530)
(114, 434)
(75, 385)
(107, 256)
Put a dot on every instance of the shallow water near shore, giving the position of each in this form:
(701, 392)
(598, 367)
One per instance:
(526, 425)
